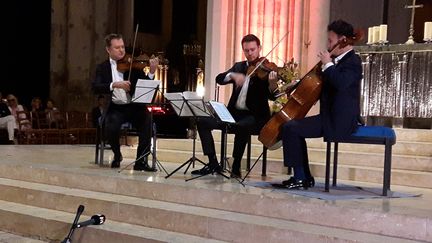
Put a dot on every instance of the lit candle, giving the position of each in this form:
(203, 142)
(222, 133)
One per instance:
(376, 30)
(370, 35)
(383, 33)
(427, 31)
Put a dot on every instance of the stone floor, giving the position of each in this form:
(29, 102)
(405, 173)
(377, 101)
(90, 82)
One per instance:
(80, 158)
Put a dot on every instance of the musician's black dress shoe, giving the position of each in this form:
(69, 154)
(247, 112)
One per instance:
(143, 167)
(207, 169)
(236, 174)
(293, 183)
(116, 161)
(310, 181)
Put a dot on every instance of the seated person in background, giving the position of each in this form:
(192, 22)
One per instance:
(36, 104)
(18, 112)
(2, 99)
(37, 114)
(7, 121)
(52, 114)
(98, 111)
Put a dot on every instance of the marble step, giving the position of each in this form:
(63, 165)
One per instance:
(8, 237)
(172, 217)
(419, 135)
(400, 148)
(402, 134)
(231, 197)
(355, 172)
(405, 162)
(53, 226)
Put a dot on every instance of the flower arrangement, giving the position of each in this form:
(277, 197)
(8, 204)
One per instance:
(289, 74)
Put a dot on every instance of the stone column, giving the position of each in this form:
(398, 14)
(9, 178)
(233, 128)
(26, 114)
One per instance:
(218, 27)
(78, 29)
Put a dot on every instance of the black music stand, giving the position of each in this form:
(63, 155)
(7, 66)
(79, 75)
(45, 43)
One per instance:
(145, 92)
(226, 118)
(188, 104)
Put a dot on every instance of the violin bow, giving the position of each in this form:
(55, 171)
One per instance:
(261, 62)
(133, 52)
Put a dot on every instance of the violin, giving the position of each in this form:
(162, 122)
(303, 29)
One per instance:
(127, 63)
(262, 68)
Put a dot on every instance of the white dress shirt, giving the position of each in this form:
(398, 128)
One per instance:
(335, 61)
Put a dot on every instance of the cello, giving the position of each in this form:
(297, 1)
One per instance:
(301, 98)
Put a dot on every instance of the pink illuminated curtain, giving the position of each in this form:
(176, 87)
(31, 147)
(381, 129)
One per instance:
(269, 20)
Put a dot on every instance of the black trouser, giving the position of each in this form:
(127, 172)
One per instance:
(294, 133)
(246, 124)
(138, 115)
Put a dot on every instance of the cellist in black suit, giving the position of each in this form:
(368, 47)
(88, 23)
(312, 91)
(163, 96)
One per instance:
(339, 105)
(110, 80)
(248, 105)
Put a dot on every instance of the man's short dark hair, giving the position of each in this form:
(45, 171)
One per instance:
(250, 38)
(111, 37)
(341, 27)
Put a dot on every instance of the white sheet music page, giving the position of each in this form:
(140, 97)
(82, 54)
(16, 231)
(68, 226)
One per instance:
(197, 104)
(145, 90)
(177, 102)
(222, 112)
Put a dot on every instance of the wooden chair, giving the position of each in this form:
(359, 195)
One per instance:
(26, 133)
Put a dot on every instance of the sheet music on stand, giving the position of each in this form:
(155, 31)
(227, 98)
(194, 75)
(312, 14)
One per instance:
(145, 91)
(195, 106)
(222, 112)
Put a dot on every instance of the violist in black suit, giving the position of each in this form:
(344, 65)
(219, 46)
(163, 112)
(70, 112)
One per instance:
(339, 106)
(110, 80)
(248, 105)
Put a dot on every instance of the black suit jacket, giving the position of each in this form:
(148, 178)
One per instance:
(101, 84)
(340, 97)
(257, 96)
(4, 110)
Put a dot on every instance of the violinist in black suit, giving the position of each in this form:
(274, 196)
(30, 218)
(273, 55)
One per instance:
(248, 105)
(110, 80)
(339, 105)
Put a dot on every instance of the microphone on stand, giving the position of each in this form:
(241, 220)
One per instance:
(78, 214)
(96, 219)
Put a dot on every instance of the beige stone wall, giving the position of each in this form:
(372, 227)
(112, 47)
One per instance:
(77, 45)
(78, 28)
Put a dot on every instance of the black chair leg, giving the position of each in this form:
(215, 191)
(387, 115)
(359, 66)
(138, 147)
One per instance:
(335, 163)
(248, 158)
(264, 162)
(98, 140)
(387, 168)
(327, 171)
